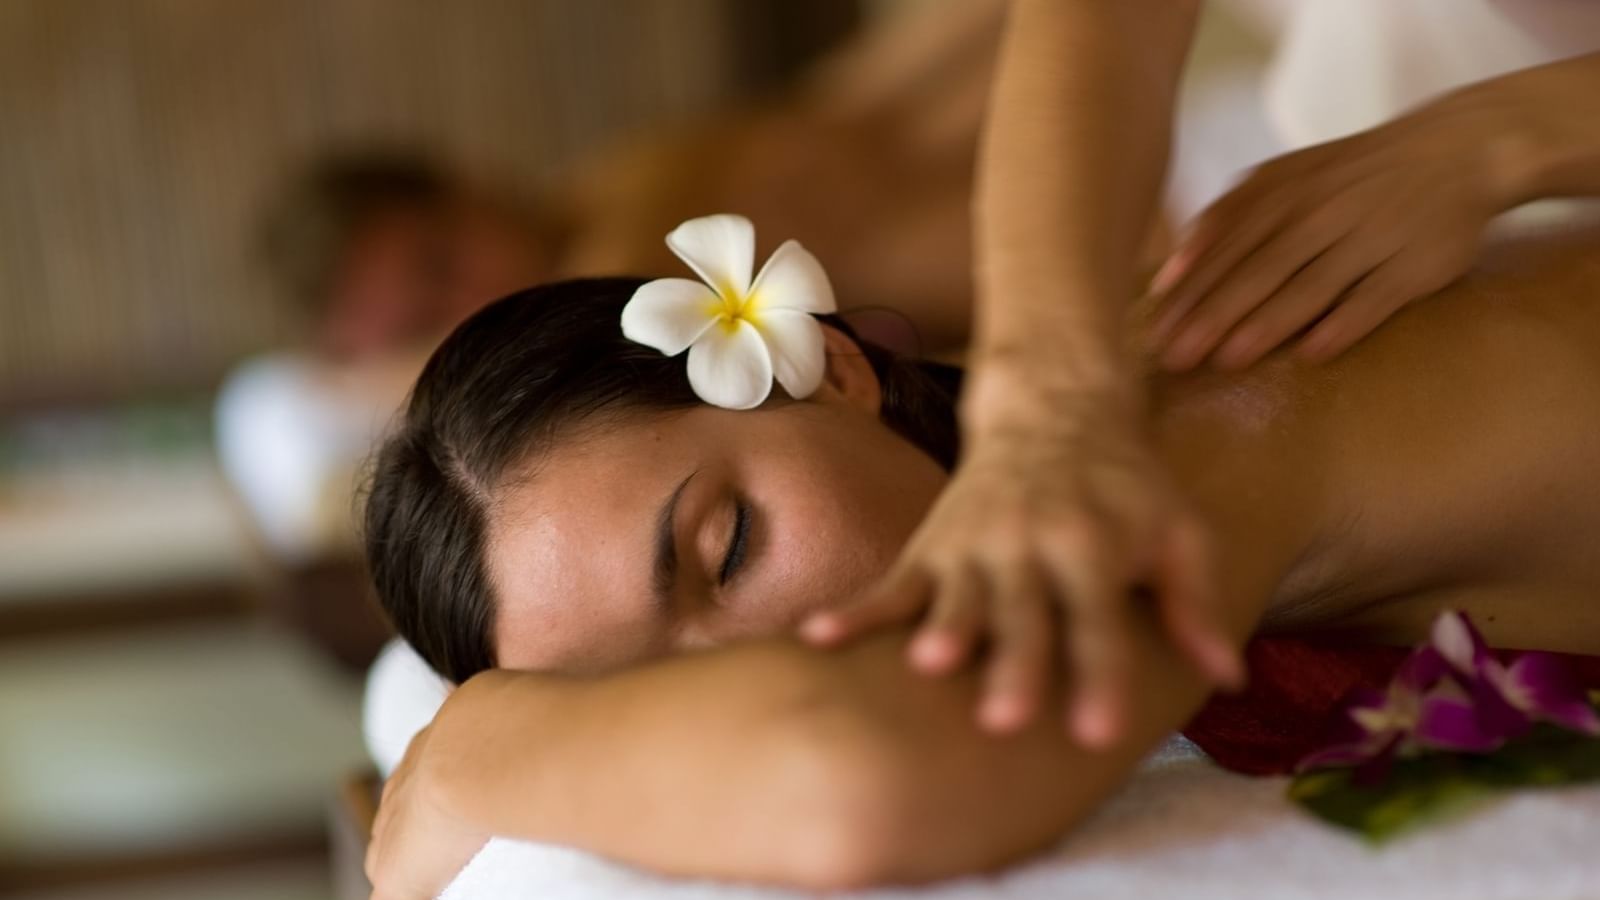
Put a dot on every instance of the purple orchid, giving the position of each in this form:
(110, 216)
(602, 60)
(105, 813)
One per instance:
(1453, 694)
(1375, 726)
(1507, 699)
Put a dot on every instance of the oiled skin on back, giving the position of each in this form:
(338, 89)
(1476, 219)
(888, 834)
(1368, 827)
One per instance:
(1452, 459)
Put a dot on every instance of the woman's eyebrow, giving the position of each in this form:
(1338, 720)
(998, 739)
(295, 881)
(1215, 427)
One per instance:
(666, 563)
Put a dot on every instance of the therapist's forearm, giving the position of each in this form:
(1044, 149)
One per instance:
(1072, 160)
(1550, 146)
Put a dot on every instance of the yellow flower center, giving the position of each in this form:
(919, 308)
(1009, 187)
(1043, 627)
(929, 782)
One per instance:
(731, 308)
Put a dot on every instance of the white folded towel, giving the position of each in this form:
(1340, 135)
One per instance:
(1181, 828)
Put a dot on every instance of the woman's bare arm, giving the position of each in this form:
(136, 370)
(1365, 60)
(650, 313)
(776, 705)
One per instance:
(771, 762)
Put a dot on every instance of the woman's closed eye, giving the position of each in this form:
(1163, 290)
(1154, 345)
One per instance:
(738, 542)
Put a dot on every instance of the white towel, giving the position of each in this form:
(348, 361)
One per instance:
(403, 694)
(1181, 828)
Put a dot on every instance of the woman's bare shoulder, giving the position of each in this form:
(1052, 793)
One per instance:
(1451, 447)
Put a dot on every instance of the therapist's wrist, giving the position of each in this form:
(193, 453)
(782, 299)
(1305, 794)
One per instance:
(1528, 144)
(1519, 163)
(1007, 394)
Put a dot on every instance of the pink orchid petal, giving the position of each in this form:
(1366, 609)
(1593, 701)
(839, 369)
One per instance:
(1497, 713)
(1365, 698)
(1448, 722)
(1458, 642)
(1543, 686)
(1453, 694)
(1349, 742)
(1350, 728)
(1421, 670)
(1352, 754)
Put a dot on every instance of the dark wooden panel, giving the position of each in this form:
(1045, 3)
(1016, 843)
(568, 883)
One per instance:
(29, 618)
(309, 844)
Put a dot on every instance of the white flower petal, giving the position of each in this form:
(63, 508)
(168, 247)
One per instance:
(669, 313)
(799, 354)
(721, 248)
(1453, 641)
(793, 279)
(729, 366)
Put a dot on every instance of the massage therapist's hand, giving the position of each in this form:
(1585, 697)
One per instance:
(418, 846)
(1337, 237)
(1036, 549)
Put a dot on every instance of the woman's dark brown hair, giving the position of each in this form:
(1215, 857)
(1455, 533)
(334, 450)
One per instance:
(508, 382)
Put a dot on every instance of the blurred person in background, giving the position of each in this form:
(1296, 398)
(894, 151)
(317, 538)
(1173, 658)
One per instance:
(386, 249)
(868, 158)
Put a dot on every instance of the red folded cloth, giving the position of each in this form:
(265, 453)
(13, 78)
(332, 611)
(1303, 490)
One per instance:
(1296, 685)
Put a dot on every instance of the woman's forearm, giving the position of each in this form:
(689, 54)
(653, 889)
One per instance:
(721, 764)
(1073, 157)
(773, 763)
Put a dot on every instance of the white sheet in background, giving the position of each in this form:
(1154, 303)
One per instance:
(1331, 68)
(292, 439)
(1181, 828)
(1348, 65)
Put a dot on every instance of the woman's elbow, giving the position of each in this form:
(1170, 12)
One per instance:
(869, 775)
(878, 812)
(850, 827)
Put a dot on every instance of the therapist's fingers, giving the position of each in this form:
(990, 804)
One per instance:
(1375, 298)
(953, 624)
(1019, 666)
(1256, 277)
(1092, 587)
(1240, 234)
(1300, 301)
(1207, 229)
(1186, 598)
(1275, 193)
(902, 596)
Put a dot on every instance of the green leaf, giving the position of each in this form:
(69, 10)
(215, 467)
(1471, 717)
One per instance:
(1437, 785)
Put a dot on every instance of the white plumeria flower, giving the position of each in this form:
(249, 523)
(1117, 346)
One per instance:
(740, 334)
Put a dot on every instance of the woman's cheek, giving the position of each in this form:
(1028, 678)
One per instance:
(812, 562)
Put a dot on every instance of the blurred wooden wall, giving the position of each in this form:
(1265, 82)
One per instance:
(139, 139)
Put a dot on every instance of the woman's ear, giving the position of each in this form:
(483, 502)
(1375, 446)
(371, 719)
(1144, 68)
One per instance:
(849, 376)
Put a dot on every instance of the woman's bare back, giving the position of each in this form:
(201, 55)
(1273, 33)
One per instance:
(1450, 460)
